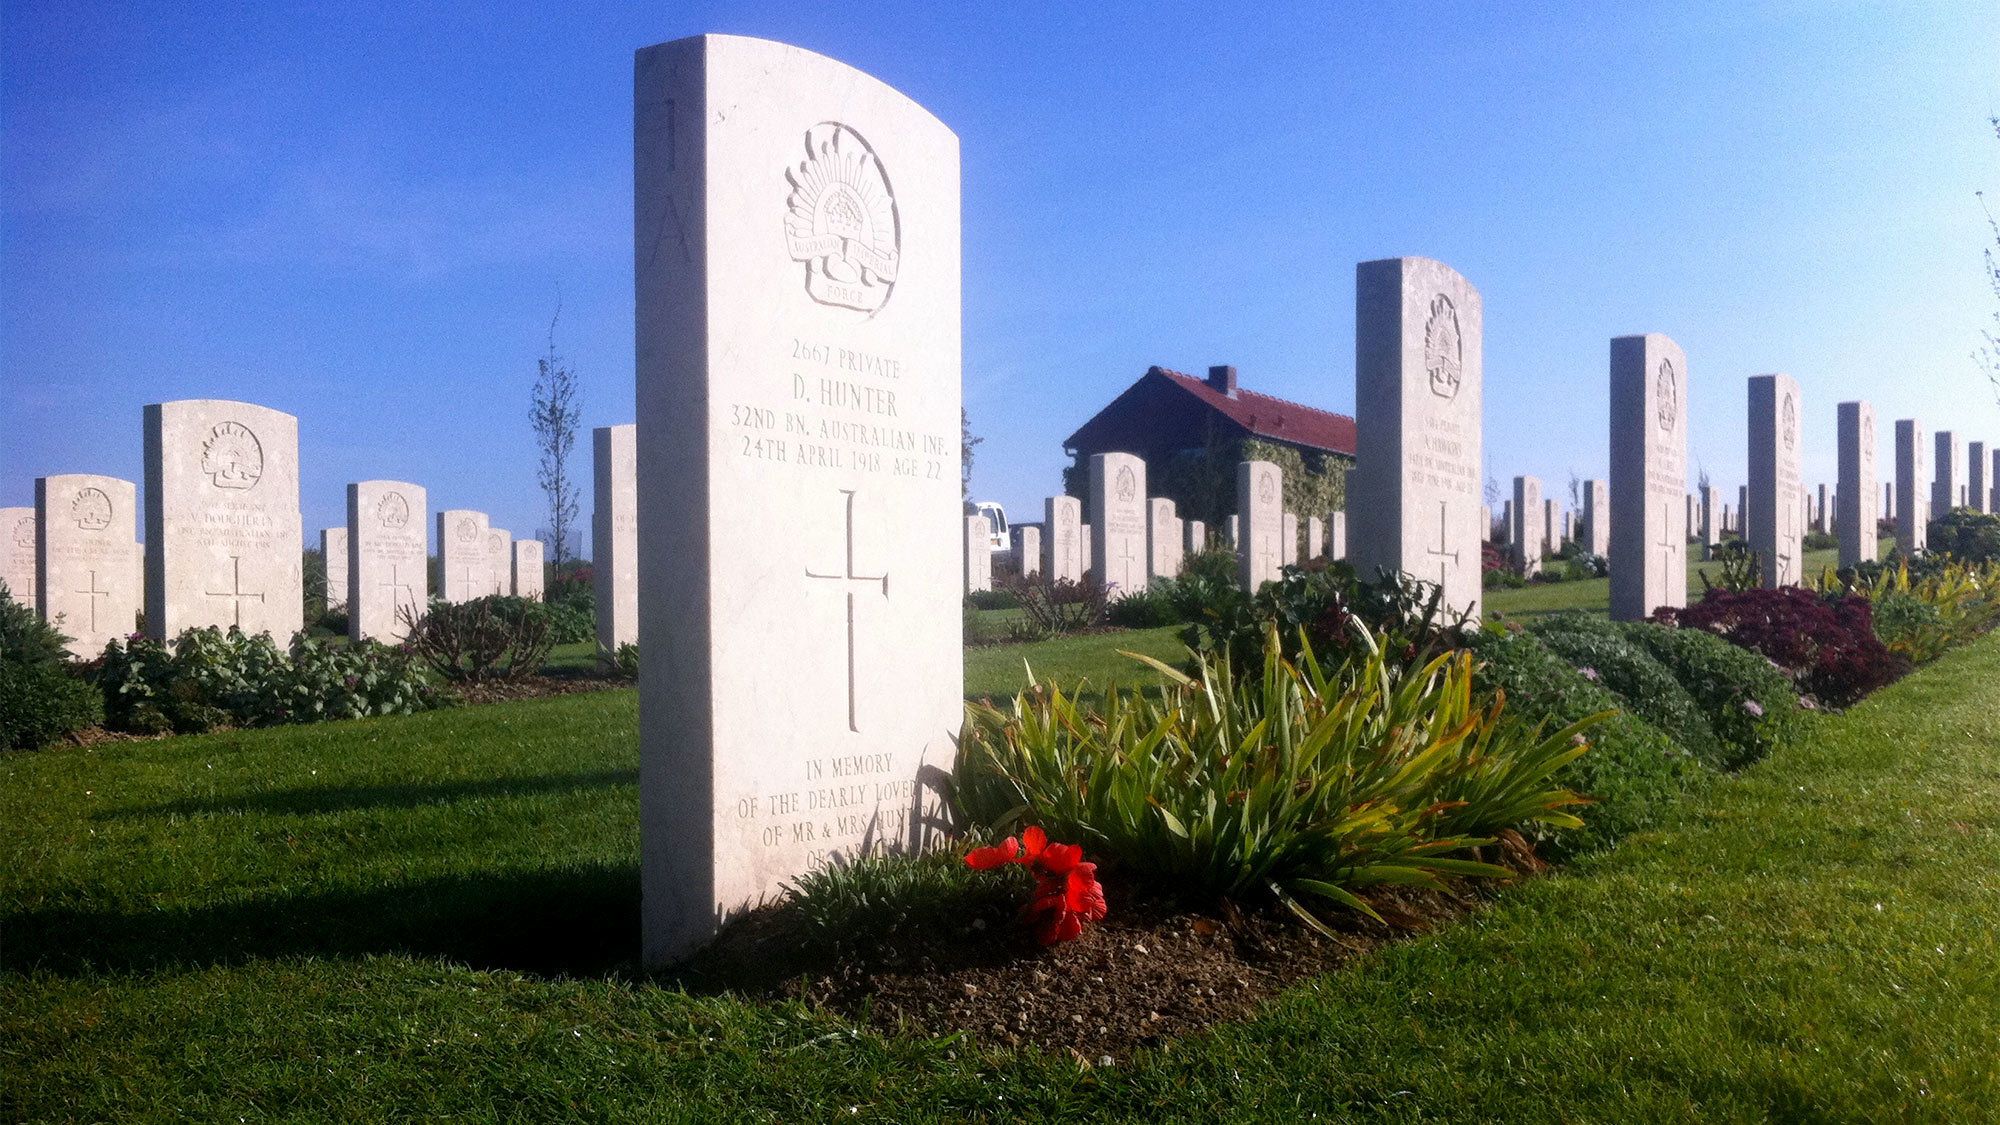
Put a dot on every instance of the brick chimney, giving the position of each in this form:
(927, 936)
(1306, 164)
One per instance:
(1223, 379)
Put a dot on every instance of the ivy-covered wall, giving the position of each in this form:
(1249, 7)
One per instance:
(1203, 485)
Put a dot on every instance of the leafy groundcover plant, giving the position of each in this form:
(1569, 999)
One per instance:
(1828, 644)
(1303, 782)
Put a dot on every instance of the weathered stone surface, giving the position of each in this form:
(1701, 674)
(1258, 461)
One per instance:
(1551, 526)
(465, 567)
(17, 553)
(1194, 537)
(1315, 538)
(88, 587)
(1486, 522)
(1118, 521)
(1414, 491)
(1649, 534)
(1712, 513)
(1856, 494)
(978, 554)
(614, 535)
(333, 548)
(1234, 531)
(1260, 516)
(1062, 516)
(1085, 544)
(388, 563)
(798, 375)
(1027, 550)
(1977, 488)
(528, 575)
(1336, 535)
(1775, 449)
(1163, 539)
(224, 540)
(1912, 505)
(1948, 488)
(500, 559)
(1597, 517)
(1526, 533)
(1288, 538)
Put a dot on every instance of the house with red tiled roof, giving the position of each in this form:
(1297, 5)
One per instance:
(1191, 432)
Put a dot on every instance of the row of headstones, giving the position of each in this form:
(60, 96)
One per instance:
(799, 398)
(224, 539)
(1123, 520)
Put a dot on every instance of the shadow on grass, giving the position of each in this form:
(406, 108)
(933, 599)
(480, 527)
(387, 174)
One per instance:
(576, 922)
(310, 801)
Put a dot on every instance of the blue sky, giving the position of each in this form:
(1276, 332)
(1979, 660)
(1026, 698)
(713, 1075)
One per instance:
(364, 217)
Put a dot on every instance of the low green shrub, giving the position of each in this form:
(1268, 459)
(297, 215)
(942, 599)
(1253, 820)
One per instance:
(570, 624)
(1319, 603)
(1633, 773)
(1603, 654)
(998, 598)
(1966, 535)
(1303, 782)
(42, 702)
(41, 697)
(1818, 541)
(209, 678)
(622, 662)
(1751, 705)
(1054, 607)
(1149, 608)
(492, 638)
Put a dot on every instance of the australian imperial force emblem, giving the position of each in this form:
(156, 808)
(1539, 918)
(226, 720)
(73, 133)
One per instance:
(841, 220)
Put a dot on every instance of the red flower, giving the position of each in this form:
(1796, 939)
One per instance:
(986, 859)
(1067, 894)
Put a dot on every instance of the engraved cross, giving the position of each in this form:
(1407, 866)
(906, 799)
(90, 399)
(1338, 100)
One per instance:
(1438, 551)
(407, 595)
(236, 593)
(848, 575)
(95, 594)
(1666, 542)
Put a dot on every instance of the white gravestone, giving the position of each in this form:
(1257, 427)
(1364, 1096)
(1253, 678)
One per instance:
(614, 535)
(1889, 499)
(1414, 491)
(1084, 544)
(1288, 538)
(333, 548)
(1486, 520)
(1526, 532)
(1712, 515)
(1336, 536)
(1194, 537)
(1062, 560)
(89, 589)
(17, 553)
(978, 554)
(1234, 531)
(528, 580)
(1027, 550)
(1552, 539)
(1775, 487)
(1993, 491)
(1260, 498)
(1912, 507)
(1597, 517)
(1819, 509)
(224, 541)
(1315, 538)
(1118, 521)
(465, 570)
(1163, 539)
(500, 560)
(388, 559)
(1948, 489)
(1649, 533)
(1976, 486)
(798, 375)
(1856, 494)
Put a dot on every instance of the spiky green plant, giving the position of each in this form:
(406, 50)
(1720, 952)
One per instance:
(1302, 782)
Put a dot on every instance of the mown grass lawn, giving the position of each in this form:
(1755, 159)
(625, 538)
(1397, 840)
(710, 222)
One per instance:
(1539, 600)
(431, 917)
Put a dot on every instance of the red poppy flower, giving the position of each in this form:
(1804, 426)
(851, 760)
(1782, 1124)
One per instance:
(986, 859)
(1059, 859)
(1033, 840)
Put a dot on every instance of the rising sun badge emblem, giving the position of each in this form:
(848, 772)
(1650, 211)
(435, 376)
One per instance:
(841, 220)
